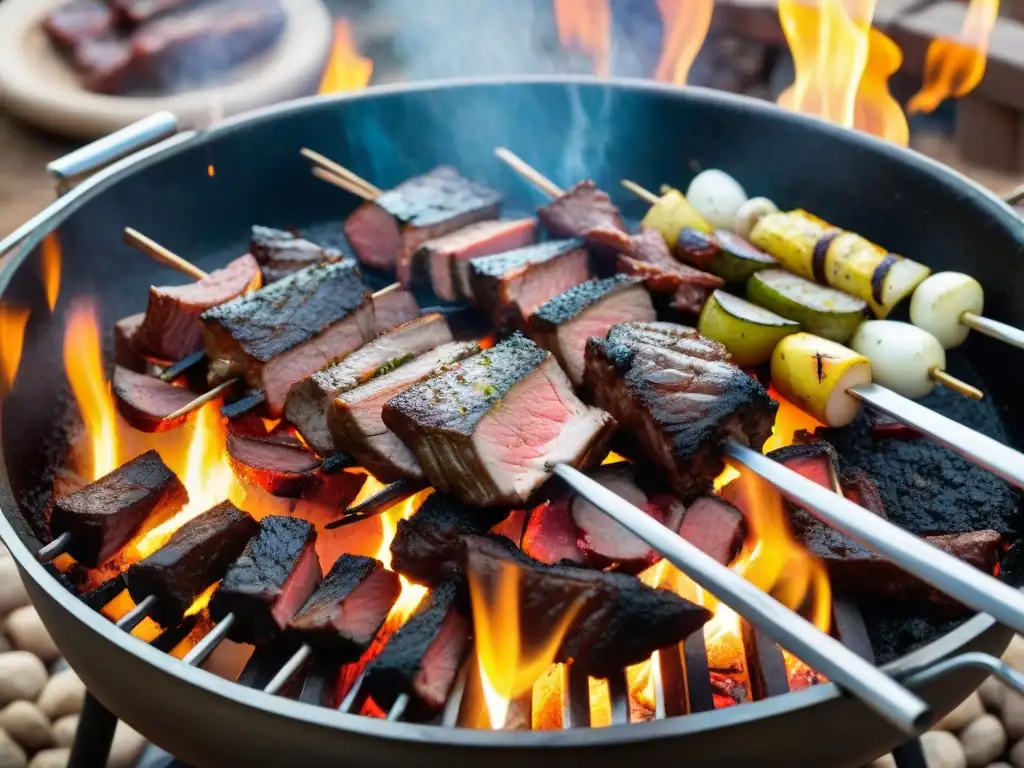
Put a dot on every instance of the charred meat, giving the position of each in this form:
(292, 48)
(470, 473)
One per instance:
(386, 232)
(678, 407)
(490, 429)
(145, 402)
(423, 657)
(279, 464)
(510, 286)
(345, 613)
(104, 515)
(197, 555)
(281, 253)
(309, 401)
(354, 418)
(565, 322)
(581, 209)
(274, 576)
(679, 338)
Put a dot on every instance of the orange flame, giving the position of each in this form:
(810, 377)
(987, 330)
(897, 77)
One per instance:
(12, 338)
(686, 25)
(587, 24)
(955, 67)
(346, 70)
(411, 594)
(211, 171)
(51, 268)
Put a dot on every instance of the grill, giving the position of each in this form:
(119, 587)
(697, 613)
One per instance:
(308, 718)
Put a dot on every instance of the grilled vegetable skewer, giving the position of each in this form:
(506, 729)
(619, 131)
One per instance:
(949, 305)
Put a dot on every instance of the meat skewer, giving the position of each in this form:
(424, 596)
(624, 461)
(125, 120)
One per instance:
(333, 172)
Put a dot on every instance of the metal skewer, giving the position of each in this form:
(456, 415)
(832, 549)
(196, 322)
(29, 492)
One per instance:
(294, 664)
(55, 548)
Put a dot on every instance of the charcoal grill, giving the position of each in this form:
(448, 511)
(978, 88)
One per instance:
(573, 128)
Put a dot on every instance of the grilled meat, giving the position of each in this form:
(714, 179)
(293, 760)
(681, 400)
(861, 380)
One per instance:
(126, 351)
(266, 586)
(565, 322)
(386, 232)
(77, 21)
(105, 514)
(510, 286)
(715, 527)
(619, 621)
(281, 253)
(140, 11)
(445, 260)
(197, 555)
(816, 460)
(145, 402)
(279, 464)
(489, 429)
(172, 329)
(581, 209)
(423, 657)
(354, 418)
(425, 548)
(344, 615)
(678, 407)
(551, 535)
(309, 401)
(679, 338)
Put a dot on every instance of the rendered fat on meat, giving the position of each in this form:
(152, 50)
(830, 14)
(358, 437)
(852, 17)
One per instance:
(582, 208)
(309, 401)
(425, 548)
(619, 620)
(424, 656)
(197, 555)
(511, 285)
(270, 581)
(678, 408)
(354, 418)
(171, 329)
(348, 609)
(280, 253)
(279, 464)
(445, 260)
(565, 322)
(145, 402)
(281, 334)
(491, 428)
(386, 232)
(104, 515)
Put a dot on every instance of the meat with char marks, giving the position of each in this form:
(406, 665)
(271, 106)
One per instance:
(279, 464)
(280, 253)
(579, 210)
(145, 402)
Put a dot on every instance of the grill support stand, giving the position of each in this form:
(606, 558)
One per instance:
(94, 735)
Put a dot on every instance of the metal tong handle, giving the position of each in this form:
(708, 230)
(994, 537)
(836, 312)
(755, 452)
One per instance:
(1006, 674)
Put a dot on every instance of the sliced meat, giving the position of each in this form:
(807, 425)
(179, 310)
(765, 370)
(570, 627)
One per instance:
(139, 11)
(426, 546)
(423, 657)
(680, 338)
(172, 329)
(581, 209)
(715, 527)
(281, 334)
(491, 428)
(619, 621)
(344, 615)
(145, 402)
(551, 535)
(678, 408)
(280, 253)
(354, 418)
(279, 464)
(126, 350)
(393, 306)
(816, 460)
(266, 586)
(104, 515)
(385, 233)
(445, 260)
(309, 401)
(77, 21)
(510, 286)
(106, 64)
(335, 489)
(196, 556)
(564, 323)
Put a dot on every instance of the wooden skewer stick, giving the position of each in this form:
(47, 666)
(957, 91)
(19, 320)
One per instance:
(341, 183)
(528, 172)
(643, 194)
(371, 192)
(135, 238)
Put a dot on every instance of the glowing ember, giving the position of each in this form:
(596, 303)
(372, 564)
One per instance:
(686, 25)
(12, 337)
(346, 70)
(51, 269)
(955, 67)
(587, 25)
(211, 171)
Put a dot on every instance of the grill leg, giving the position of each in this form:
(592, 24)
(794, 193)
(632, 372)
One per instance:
(94, 735)
(909, 755)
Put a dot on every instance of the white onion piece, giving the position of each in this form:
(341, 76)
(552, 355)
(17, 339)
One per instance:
(940, 301)
(717, 197)
(902, 355)
(750, 213)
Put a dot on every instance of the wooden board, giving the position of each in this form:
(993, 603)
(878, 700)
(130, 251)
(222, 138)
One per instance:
(38, 86)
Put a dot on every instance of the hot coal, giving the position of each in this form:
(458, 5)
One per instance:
(426, 546)
(619, 620)
(145, 402)
(281, 253)
(77, 21)
(270, 581)
(197, 555)
(423, 657)
(386, 232)
(354, 418)
(511, 285)
(309, 401)
(677, 407)
(491, 428)
(104, 515)
(445, 260)
(345, 613)
(581, 209)
(279, 464)
(565, 322)
(715, 527)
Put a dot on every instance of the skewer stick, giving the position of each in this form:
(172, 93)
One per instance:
(203, 399)
(643, 194)
(342, 183)
(528, 172)
(370, 191)
(1015, 196)
(994, 328)
(135, 238)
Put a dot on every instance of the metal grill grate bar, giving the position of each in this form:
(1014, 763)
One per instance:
(618, 691)
(576, 712)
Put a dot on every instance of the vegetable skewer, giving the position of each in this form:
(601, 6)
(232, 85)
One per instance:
(949, 305)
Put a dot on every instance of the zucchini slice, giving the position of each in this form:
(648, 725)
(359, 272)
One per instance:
(671, 214)
(822, 311)
(722, 253)
(748, 331)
